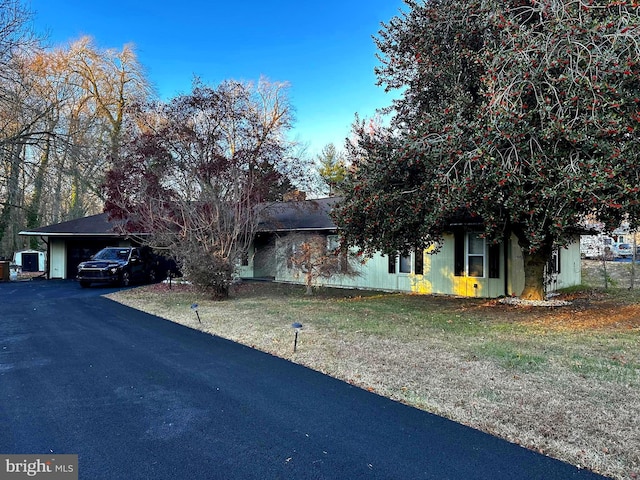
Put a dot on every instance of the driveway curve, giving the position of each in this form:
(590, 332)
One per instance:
(138, 397)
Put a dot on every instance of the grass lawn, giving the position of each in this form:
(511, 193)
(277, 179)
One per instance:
(564, 381)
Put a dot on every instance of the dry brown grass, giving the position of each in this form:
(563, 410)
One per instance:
(562, 381)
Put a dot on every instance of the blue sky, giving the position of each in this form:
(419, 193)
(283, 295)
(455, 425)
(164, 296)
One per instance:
(323, 49)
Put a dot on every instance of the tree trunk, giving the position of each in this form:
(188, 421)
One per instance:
(534, 265)
(309, 280)
(33, 209)
(9, 219)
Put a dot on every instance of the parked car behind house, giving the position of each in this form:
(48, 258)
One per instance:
(120, 265)
(623, 250)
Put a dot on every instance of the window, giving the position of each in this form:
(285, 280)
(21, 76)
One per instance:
(404, 264)
(334, 247)
(412, 263)
(392, 264)
(333, 243)
(473, 257)
(554, 263)
(418, 267)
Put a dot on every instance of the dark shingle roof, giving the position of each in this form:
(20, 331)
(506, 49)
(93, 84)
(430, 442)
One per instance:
(300, 215)
(86, 226)
(276, 217)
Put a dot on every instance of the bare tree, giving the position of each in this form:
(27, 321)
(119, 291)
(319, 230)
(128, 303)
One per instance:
(315, 257)
(61, 116)
(197, 170)
(102, 84)
(18, 116)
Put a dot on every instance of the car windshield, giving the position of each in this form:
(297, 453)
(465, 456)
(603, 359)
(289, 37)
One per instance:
(625, 246)
(112, 254)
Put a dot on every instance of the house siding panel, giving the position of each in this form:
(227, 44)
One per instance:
(439, 274)
(570, 267)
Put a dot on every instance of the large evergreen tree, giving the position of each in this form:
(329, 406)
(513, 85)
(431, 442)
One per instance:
(524, 113)
(332, 168)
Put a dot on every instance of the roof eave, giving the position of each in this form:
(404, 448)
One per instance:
(70, 234)
(306, 229)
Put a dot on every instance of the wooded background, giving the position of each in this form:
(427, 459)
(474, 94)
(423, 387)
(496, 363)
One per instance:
(62, 113)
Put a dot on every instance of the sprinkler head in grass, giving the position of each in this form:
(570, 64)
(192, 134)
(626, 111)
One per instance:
(194, 307)
(297, 327)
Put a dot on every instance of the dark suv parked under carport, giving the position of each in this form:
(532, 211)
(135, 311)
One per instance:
(120, 265)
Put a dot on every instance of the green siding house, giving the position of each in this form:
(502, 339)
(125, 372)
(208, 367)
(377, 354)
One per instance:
(465, 265)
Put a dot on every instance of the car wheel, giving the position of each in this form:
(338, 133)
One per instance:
(84, 283)
(125, 279)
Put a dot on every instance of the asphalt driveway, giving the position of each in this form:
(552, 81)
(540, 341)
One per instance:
(138, 397)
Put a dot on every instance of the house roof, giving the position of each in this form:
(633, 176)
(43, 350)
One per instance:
(91, 226)
(298, 216)
(275, 217)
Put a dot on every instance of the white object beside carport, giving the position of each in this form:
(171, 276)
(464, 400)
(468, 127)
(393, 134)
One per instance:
(34, 260)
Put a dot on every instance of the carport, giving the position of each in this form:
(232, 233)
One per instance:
(69, 243)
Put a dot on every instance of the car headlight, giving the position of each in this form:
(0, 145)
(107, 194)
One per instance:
(81, 266)
(113, 270)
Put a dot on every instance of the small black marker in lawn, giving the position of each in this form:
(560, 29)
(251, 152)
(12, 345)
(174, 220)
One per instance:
(297, 327)
(194, 307)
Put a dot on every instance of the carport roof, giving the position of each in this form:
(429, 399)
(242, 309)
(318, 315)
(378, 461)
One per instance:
(91, 226)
